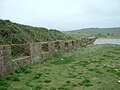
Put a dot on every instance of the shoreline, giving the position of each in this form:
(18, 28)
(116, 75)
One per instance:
(108, 39)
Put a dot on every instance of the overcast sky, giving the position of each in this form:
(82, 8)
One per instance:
(62, 14)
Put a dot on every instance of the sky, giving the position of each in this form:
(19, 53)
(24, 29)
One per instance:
(62, 15)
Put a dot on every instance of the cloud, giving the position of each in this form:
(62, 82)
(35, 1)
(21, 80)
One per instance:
(62, 14)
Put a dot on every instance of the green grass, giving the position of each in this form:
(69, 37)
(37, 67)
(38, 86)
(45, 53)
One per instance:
(76, 35)
(87, 68)
(14, 33)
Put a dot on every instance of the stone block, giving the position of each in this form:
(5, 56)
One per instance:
(51, 48)
(35, 52)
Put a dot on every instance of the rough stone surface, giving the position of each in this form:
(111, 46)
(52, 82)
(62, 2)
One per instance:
(21, 48)
(35, 52)
(51, 48)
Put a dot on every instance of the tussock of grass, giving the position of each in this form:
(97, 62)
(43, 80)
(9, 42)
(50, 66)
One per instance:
(3, 88)
(83, 63)
(96, 70)
(52, 88)
(86, 83)
(72, 75)
(114, 71)
(47, 81)
(24, 69)
(37, 87)
(3, 82)
(13, 77)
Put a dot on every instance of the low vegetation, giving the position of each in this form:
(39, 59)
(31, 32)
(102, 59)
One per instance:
(14, 33)
(87, 68)
(76, 35)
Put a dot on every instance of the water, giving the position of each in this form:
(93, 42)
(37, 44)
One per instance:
(107, 41)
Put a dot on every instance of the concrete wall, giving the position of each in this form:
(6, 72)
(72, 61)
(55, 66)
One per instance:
(35, 52)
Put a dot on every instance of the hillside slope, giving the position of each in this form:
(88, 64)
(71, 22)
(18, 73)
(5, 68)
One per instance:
(14, 33)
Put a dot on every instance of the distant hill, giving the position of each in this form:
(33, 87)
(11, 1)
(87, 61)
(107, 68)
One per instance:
(100, 31)
(95, 31)
(14, 33)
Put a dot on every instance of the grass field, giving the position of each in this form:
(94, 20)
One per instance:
(87, 68)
